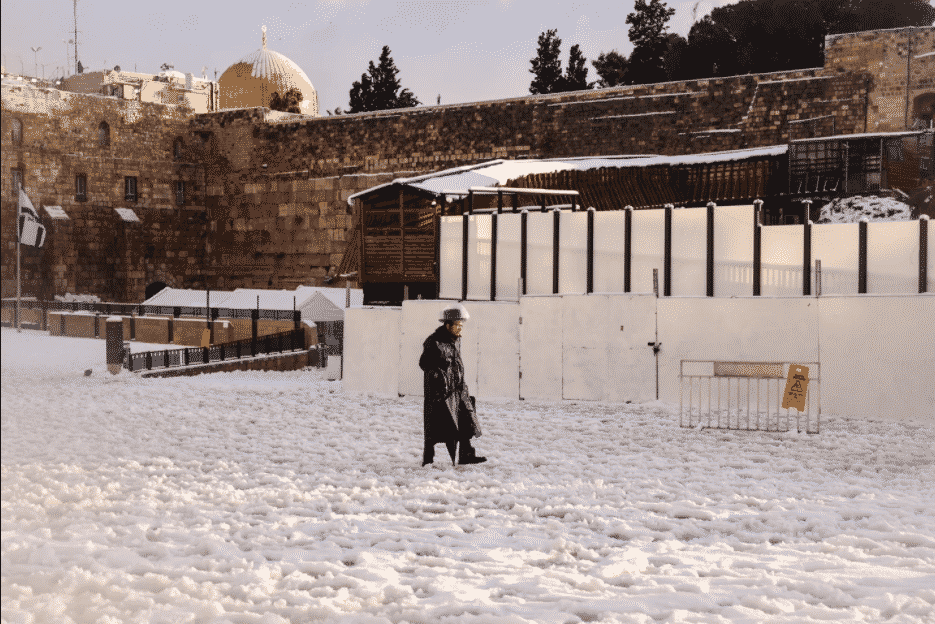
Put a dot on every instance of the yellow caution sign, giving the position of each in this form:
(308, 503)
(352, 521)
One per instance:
(206, 338)
(796, 388)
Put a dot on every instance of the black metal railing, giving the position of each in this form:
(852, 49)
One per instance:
(136, 309)
(293, 340)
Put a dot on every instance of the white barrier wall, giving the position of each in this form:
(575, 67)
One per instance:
(754, 329)
(878, 356)
(540, 348)
(605, 356)
(371, 343)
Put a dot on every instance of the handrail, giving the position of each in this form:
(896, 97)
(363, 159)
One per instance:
(292, 340)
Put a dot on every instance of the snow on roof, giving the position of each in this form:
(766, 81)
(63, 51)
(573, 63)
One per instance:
(246, 299)
(183, 297)
(56, 212)
(127, 215)
(499, 172)
(863, 135)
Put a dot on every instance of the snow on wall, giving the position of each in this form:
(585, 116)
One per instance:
(371, 339)
(877, 356)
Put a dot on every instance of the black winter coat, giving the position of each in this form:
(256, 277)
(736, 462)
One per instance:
(449, 411)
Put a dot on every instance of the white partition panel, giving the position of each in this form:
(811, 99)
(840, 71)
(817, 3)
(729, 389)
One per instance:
(509, 229)
(419, 318)
(733, 251)
(781, 252)
(689, 251)
(752, 329)
(539, 233)
(573, 253)
(479, 237)
(609, 249)
(604, 350)
(371, 350)
(449, 261)
(930, 269)
(893, 257)
(648, 238)
(877, 355)
(837, 246)
(540, 348)
(494, 328)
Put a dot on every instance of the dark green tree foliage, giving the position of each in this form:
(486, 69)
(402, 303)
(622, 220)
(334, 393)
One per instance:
(757, 36)
(379, 89)
(611, 67)
(288, 102)
(576, 74)
(546, 67)
(649, 38)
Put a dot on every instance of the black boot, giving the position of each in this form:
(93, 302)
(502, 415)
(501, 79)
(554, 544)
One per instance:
(468, 455)
(428, 454)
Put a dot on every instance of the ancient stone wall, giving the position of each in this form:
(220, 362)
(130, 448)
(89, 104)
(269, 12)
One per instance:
(892, 57)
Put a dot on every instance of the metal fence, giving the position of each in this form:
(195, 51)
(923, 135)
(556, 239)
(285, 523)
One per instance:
(293, 340)
(745, 396)
(135, 309)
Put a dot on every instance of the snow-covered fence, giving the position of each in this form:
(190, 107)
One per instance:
(697, 252)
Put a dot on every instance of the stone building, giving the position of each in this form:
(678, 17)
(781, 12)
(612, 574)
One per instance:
(167, 87)
(250, 198)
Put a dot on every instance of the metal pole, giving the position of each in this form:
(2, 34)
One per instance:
(923, 253)
(627, 236)
(17, 270)
(667, 252)
(710, 253)
(757, 245)
(862, 256)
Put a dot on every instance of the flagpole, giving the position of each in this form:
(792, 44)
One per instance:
(17, 272)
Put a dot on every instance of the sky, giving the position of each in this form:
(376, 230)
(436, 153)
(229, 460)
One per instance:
(462, 50)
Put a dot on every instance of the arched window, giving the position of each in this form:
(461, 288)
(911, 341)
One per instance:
(17, 132)
(177, 148)
(103, 134)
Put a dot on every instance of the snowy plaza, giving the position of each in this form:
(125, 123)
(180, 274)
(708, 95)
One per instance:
(278, 497)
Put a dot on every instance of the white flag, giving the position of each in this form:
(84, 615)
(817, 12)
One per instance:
(31, 232)
(25, 206)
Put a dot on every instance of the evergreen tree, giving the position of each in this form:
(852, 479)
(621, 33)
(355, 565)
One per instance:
(379, 89)
(576, 74)
(288, 102)
(611, 67)
(546, 67)
(648, 36)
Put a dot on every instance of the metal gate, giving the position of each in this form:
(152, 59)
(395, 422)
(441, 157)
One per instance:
(745, 396)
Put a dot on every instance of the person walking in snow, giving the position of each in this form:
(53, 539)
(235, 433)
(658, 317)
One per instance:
(449, 415)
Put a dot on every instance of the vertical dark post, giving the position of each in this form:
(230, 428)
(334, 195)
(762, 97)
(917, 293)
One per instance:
(757, 234)
(862, 256)
(464, 256)
(149, 360)
(132, 324)
(627, 241)
(214, 312)
(923, 253)
(402, 236)
(114, 345)
(590, 286)
(436, 266)
(205, 355)
(493, 254)
(556, 220)
(499, 202)
(807, 260)
(710, 257)
(297, 319)
(523, 239)
(471, 202)
(541, 203)
(97, 326)
(171, 329)
(515, 201)
(667, 252)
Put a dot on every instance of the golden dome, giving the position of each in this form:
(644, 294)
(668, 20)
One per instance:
(252, 80)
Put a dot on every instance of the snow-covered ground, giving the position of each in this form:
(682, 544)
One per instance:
(276, 497)
(871, 207)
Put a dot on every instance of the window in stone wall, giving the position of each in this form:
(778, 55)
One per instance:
(81, 187)
(177, 149)
(180, 192)
(129, 188)
(103, 134)
(17, 132)
(17, 175)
